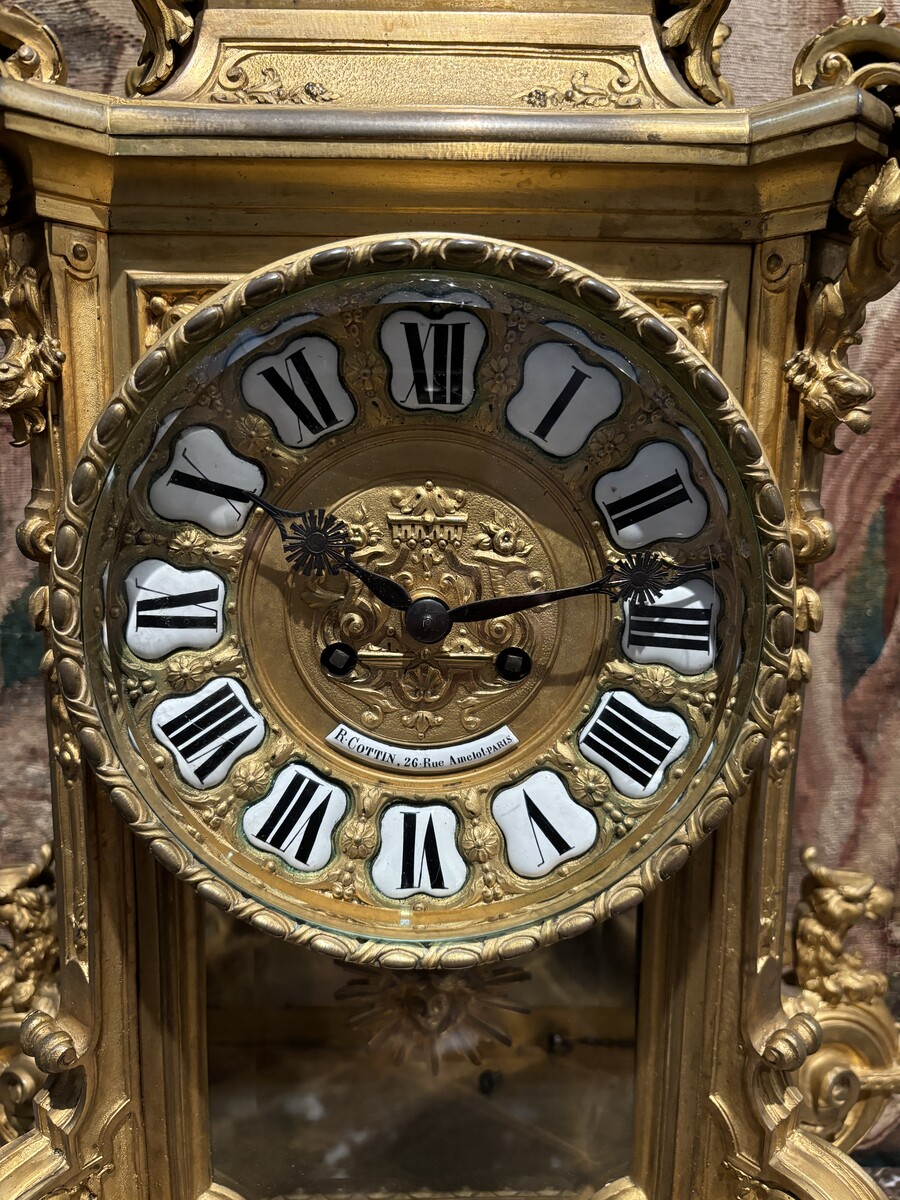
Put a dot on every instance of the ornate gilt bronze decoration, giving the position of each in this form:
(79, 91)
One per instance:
(831, 392)
(168, 28)
(435, 1013)
(848, 1083)
(29, 49)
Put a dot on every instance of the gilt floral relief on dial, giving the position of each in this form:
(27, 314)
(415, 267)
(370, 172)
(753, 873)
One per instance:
(423, 600)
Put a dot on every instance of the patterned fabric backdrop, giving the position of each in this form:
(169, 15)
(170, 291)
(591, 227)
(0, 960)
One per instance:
(849, 772)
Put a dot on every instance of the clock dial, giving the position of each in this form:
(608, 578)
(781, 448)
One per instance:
(434, 612)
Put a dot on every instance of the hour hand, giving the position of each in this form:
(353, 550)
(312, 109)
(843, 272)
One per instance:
(317, 541)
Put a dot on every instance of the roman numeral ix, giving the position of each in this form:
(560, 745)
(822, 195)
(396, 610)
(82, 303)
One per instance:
(159, 613)
(628, 741)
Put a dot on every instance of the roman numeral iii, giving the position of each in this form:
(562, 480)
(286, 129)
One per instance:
(677, 629)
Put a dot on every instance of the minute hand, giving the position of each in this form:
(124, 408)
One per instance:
(505, 606)
(643, 577)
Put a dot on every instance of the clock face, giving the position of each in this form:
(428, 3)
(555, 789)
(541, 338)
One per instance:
(300, 608)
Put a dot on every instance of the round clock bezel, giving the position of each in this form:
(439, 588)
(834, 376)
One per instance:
(502, 261)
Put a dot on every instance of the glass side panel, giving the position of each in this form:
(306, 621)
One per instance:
(326, 1080)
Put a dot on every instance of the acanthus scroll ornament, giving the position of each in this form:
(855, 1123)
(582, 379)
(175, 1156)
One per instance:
(832, 394)
(168, 26)
(621, 90)
(30, 356)
(858, 51)
(693, 34)
(28, 48)
(847, 1084)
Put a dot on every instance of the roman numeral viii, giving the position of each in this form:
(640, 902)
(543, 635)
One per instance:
(208, 731)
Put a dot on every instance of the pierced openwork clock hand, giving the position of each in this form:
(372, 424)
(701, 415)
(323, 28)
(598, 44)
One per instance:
(317, 541)
(640, 577)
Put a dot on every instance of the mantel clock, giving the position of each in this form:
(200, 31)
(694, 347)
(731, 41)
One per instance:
(426, 493)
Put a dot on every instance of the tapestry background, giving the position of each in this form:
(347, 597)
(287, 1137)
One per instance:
(849, 771)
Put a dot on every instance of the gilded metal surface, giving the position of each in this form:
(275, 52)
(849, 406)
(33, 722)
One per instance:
(168, 27)
(32, 50)
(28, 976)
(859, 50)
(631, 192)
(500, 261)
(431, 1013)
(694, 37)
(847, 1085)
(830, 391)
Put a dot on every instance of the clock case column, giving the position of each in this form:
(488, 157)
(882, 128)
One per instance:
(717, 218)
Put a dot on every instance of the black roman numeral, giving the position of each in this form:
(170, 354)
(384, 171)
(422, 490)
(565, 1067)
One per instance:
(674, 628)
(293, 815)
(158, 613)
(647, 502)
(628, 741)
(199, 482)
(538, 821)
(300, 405)
(560, 404)
(443, 384)
(429, 860)
(210, 730)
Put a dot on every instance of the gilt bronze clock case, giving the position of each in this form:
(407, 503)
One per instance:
(570, 162)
